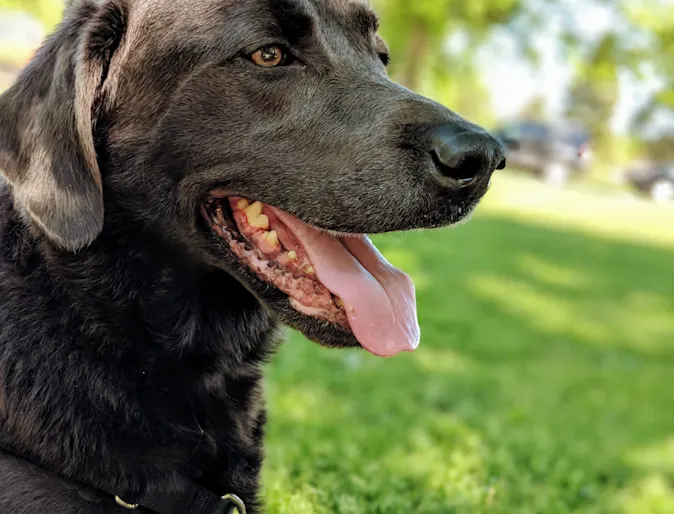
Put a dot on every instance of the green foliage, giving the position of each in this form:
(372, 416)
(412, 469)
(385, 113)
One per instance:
(659, 149)
(592, 99)
(655, 19)
(416, 30)
(542, 384)
(49, 12)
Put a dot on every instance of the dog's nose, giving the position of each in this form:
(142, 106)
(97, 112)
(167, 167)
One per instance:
(463, 156)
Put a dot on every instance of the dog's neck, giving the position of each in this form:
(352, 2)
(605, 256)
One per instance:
(182, 305)
(193, 343)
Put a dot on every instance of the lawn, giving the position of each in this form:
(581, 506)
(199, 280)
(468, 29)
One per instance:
(544, 382)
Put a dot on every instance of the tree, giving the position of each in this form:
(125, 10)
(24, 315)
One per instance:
(594, 92)
(416, 30)
(660, 149)
(655, 19)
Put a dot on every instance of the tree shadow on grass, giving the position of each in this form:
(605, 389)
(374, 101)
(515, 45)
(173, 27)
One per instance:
(543, 382)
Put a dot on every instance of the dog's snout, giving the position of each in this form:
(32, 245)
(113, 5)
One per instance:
(464, 156)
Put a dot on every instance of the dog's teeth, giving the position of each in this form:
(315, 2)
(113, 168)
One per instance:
(262, 221)
(253, 211)
(242, 204)
(309, 270)
(272, 237)
(292, 255)
(339, 302)
(255, 217)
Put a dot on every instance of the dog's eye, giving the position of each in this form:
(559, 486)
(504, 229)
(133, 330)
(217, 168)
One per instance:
(270, 56)
(385, 58)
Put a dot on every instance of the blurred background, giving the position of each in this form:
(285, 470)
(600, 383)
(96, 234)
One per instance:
(545, 379)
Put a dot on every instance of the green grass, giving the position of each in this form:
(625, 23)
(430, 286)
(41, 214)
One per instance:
(544, 382)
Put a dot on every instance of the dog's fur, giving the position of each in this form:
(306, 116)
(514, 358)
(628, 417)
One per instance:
(131, 344)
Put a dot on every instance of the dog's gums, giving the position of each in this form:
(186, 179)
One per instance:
(260, 241)
(342, 280)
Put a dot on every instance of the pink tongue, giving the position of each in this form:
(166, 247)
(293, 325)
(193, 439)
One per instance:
(379, 299)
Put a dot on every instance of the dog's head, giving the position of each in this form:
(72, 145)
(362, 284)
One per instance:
(262, 135)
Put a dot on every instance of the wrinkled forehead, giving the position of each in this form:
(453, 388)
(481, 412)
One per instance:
(352, 18)
(352, 11)
(232, 20)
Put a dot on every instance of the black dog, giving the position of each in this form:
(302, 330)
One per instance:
(159, 156)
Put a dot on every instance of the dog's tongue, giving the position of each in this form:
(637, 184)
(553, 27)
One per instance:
(378, 298)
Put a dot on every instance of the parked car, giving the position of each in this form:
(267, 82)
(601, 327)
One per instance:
(655, 180)
(554, 152)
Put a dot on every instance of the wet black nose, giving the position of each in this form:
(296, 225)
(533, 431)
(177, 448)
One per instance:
(464, 157)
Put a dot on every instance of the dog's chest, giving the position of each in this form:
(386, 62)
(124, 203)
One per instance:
(230, 449)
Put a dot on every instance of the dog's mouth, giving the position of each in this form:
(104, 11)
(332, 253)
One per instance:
(341, 280)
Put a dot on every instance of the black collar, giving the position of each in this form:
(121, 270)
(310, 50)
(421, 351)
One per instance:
(188, 498)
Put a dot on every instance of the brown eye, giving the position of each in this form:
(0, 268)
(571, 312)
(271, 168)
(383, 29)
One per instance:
(269, 56)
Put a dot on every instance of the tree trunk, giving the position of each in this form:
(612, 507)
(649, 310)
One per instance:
(416, 57)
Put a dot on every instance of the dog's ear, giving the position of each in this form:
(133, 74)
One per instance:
(47, 124)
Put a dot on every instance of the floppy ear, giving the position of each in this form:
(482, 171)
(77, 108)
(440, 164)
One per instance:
(47, 125)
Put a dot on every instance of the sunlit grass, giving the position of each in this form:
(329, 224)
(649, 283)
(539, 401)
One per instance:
(621, 215)
(543, 383)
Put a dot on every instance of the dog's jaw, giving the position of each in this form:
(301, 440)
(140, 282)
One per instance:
(272, 253)
(341, 284)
